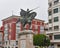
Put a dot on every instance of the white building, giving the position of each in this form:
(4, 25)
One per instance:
(54, 23)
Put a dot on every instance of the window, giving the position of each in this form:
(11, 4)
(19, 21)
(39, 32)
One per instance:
(17, 30)
(50, 28)
(16, 42)
(6, 42)
(50, 4)
(41, 29)
(56, 1)
(50, 36)
(0, 36)
(16, 47)
(49, 13)
(56, 36)
(5, 31)
(55, 19)
(8, 47)
(50, 20)
(56, 27)
(55, 10)
(6, 27)
(0, 42)
(58, 45)
(16, 36)
(18, 24)
(5, 38)
(18, 27)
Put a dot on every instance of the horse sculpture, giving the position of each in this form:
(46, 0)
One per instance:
(27, 16)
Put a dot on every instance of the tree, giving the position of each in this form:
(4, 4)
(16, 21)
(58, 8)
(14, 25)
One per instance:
(41, 40)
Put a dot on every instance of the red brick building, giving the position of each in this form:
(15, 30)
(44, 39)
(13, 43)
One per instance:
(1, 37)
(11, 27)
(37, 26)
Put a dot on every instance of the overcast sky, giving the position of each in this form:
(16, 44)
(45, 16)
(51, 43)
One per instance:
(7, 6)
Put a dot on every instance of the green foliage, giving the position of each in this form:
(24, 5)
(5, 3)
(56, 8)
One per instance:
(41, 40)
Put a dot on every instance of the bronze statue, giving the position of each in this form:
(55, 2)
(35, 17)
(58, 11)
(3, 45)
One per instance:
(27, 16)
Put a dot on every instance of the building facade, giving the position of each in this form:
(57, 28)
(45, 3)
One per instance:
(12, 29)
(9, 25)
(54, 23)
(1, 37)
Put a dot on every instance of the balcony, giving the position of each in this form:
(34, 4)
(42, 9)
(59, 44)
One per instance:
(56, 1)
(51, 32)
(50, 4)
(55, 41)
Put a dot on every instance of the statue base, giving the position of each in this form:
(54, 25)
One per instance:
(25, 39)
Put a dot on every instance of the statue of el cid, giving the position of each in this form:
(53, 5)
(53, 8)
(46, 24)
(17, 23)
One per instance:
(27, 16)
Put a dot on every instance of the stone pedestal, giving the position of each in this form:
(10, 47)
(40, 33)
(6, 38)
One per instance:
(25, 39)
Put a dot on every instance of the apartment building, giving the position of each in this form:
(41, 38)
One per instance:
(1, 37)
(12, 26)
(54, 23)
(9, 25)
